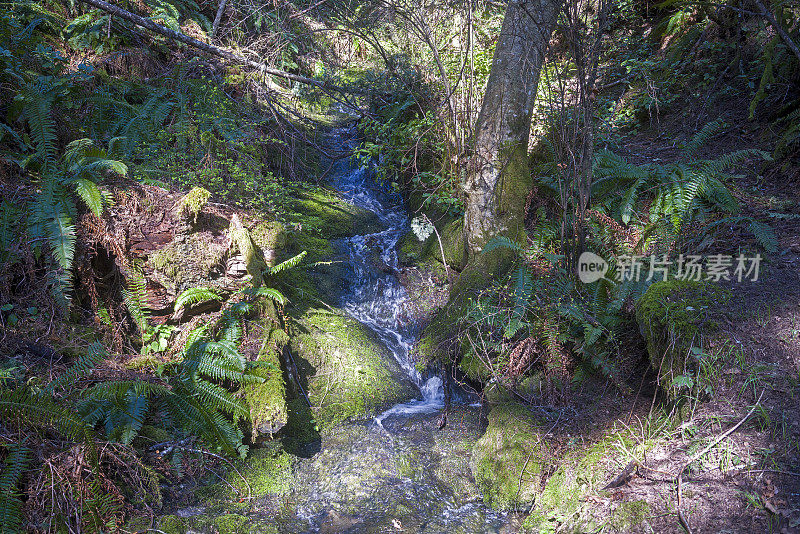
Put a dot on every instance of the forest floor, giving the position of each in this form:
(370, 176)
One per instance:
(750, 481)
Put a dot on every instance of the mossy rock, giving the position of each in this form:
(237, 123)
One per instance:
(321, 220)
(190, 206)
(508, 461)
(324, 273)
(270, 237)
(226, 523)
(322, 212)
(268, 471)
(582, 471)
(348, 372)
(673, 315)
(413, 251)
(267, 400)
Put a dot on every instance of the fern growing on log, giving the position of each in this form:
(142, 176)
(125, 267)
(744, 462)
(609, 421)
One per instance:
(135, 298)
(195, 295)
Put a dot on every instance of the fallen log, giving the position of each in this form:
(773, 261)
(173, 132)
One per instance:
(205, 47)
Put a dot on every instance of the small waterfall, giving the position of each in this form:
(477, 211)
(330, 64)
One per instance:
(376, 297)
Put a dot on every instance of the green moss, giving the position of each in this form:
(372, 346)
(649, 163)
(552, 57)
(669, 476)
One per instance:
(320, 218)
(428, 252)
(582, 471)
(323, 277)
(508, 460)
(171, 524)
(233, 523)
(322, 212)
(348, 372)
(270, 237)
(253, 255)
(441, 341)
(268, 472)
(629, 515)
(672, 317)
(193, 203)
(472, 366)
(411, 250)
(267, 400)
(187, 262)
(453, 244)
(225, 523)
(146, 361)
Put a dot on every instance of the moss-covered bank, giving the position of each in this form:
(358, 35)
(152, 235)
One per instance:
(509, 459)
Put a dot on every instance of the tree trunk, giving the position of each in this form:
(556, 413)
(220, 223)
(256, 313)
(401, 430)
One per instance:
(498, 178)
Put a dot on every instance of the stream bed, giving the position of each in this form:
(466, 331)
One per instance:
(398, 472)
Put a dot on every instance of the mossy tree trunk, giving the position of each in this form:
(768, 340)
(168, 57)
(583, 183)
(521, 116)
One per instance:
(498, 178)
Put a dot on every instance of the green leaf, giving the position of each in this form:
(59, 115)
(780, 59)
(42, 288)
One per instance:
(195, 295)
(90, 194)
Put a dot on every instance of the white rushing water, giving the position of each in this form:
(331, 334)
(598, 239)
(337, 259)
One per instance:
(376, 298)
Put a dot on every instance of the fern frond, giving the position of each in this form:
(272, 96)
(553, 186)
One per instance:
(730, 159)
(221, 399)
(135, 297)
(195, 295)
(33, 410)
(224, 369)
(765, 235)
(230, 329)
(267, 292)
(91, 195)
(38, 98)
(196, 335)
(210, 425)
(11, 515)
(502, 242)
(291, 263)
(701, 138)
(227, 350)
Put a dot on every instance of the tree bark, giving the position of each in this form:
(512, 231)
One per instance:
(218, 17)
(498, 178)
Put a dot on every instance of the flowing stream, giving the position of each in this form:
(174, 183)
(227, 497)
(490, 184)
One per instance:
(376, 298)
(407, 476)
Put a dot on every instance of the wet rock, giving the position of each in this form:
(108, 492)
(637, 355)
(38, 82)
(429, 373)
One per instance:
(348, 372)
(335, 523)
